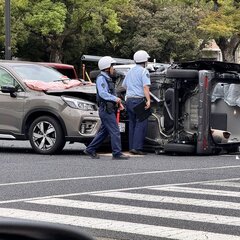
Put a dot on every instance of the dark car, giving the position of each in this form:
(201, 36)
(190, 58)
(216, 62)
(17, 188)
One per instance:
(188, 113)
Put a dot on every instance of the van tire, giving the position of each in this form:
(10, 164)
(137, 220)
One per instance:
(46, 135)
(179, 148)
(182, 73)
(93, 74)
(232, 149)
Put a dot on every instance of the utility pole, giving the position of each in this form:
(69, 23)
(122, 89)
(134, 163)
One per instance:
(7, 30)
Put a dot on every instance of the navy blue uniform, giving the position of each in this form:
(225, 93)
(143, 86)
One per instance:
(134, 83)
(109, 126)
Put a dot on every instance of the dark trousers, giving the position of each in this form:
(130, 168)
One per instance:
(110, 127)
(137, 130)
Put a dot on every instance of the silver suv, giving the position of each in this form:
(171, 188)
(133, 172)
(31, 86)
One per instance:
(41, 105)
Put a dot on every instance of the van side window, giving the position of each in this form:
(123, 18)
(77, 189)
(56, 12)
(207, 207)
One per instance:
(7, 79)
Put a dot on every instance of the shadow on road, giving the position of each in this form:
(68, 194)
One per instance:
(16, 150)
(16, 147)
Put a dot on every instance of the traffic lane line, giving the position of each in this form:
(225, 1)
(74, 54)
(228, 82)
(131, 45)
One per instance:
(115, 190)
(119, 175)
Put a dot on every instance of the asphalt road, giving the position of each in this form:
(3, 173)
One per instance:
(145, 197)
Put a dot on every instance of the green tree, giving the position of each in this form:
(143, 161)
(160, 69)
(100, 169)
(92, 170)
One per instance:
(107, 42)
(62, 30)
(64, 23)
(19, 33)
(2, 28)
(222, 23)
(166, 29)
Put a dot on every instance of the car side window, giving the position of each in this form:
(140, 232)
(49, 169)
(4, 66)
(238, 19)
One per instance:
(7, 79)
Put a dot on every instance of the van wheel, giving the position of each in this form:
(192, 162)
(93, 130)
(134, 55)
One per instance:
(159, 151)
(93, 74)
(179, 148)
(182, 73)
(233, 149)
(46, 135)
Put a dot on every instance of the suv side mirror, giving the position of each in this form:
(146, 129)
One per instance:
(9, 89)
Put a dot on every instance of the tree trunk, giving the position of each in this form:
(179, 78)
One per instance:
(55, 55)
(56, 51)
(228, 47)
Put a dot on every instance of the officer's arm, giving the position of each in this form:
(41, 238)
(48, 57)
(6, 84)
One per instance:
(146, 84)
(147, 95)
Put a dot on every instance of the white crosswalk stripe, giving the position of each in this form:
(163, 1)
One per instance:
(224, 184)
(174, 200)
(118, 226)
(198, 191)
(152, 212)
(145, 204)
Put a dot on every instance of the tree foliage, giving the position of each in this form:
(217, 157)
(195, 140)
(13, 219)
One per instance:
(222, 23)
(162, 28)
(60, 22)
(170, 30)
(2, 29)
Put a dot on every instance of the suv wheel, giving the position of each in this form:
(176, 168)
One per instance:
(46, 135)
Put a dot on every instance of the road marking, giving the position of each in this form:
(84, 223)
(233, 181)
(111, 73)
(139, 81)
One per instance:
(224, 184)
(113, 225)
(199, 190)
(151, 212)
(113, 190)
(118, 175)
(174, 200)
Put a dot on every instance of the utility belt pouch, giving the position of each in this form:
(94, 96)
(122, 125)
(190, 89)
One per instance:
(110, 107)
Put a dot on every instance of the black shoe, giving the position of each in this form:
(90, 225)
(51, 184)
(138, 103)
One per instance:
(137, 152)
(120, 157)
(92, 155)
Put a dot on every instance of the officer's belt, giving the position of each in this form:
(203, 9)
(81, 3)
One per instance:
(134, 97)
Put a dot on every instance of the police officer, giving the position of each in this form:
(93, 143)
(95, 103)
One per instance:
(136, 83)
(107, 102)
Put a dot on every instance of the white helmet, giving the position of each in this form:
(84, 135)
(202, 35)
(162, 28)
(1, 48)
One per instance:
(105, 62)
(141, 56)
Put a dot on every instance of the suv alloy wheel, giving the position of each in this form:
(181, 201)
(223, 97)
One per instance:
(46, 135)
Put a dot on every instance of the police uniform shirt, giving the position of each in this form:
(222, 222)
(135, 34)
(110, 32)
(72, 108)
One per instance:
(102, 87)
(135, 80)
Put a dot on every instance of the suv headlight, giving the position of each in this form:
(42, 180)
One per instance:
(79, 104)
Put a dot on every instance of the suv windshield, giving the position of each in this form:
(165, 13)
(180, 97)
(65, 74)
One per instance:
(40, 73)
